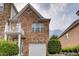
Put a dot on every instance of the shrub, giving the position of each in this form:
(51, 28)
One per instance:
(54, 46)
(67, 50)
(54, 37)
(8, 48)
(71, 49)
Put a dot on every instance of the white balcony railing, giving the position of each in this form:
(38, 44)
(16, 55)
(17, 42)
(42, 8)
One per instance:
(16, 29)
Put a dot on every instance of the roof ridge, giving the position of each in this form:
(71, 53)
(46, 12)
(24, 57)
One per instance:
(25, 7)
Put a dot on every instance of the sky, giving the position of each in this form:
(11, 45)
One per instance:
(61, 14)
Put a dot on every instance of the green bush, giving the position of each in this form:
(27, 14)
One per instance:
(71, 49)
(67, 50)
(54, 46)
(8, 48)
(54, 37)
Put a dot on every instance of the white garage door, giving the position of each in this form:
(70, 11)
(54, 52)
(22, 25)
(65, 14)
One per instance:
(37, 49)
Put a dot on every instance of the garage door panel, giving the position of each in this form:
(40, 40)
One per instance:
(37, 49)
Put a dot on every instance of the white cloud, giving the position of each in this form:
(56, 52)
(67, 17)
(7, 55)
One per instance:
(53, 13)
(19, 6)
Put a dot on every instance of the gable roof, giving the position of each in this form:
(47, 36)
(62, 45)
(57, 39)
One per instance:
(14, 7)
(70, 27)
(29, 5)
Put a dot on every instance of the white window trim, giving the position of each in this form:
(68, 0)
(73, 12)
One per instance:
(67, 36)
(37, 26)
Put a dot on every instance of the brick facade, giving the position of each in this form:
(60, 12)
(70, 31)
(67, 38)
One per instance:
(73, 37)
(4, 16)
(26, 19)
(30, 36)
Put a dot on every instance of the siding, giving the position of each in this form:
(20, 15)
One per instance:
(13, 11)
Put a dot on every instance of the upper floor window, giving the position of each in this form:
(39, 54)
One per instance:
(37, 27)
(1, 6)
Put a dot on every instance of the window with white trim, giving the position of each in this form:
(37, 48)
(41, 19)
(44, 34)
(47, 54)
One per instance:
(37, 27)
(18, 27)
(67, 36)
(1, 6)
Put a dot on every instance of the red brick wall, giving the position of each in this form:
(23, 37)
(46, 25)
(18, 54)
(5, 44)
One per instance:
(73, 39)
(4, 16)
(33, 37)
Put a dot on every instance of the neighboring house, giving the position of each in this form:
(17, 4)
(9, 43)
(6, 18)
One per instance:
(7, 11)
(70, 37)
(28, 28)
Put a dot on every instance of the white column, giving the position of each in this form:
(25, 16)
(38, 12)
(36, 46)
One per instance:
(5, 36)
(6, 29)
(19, 44)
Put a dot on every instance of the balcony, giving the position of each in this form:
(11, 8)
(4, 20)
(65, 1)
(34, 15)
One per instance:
(15, 32)
(13, 29)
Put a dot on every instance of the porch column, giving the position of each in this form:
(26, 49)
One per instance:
(6, 29)
(19, 44)
(5, 37)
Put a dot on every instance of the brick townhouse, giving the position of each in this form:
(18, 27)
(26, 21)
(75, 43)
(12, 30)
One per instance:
(27, 27)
